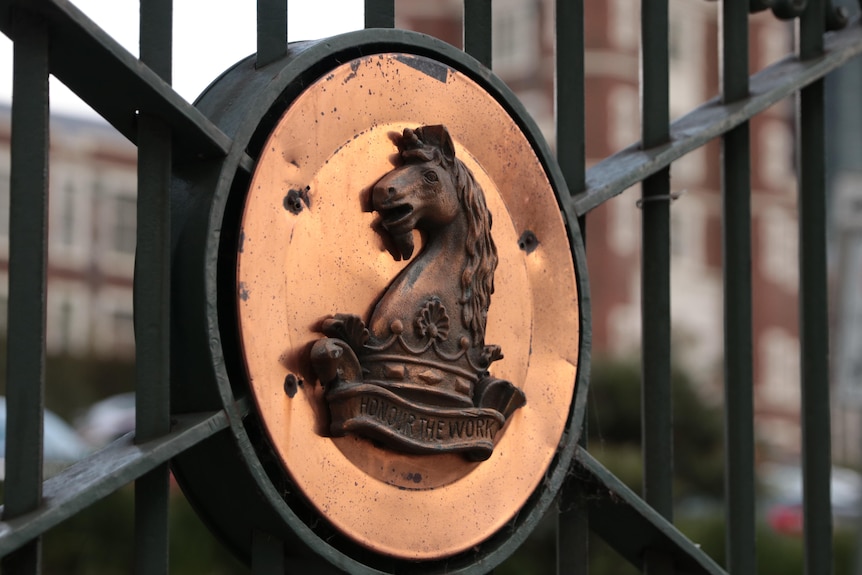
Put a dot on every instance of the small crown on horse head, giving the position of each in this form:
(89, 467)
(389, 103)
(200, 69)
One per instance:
(428, 137)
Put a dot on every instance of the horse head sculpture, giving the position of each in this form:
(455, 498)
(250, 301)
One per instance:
(415, 377)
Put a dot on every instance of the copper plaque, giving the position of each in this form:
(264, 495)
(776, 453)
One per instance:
(407, 306)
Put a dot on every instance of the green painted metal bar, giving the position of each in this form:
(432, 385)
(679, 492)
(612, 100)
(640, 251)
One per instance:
(570, 99)
(271, 31)
(82, 55)
(573, 525)
(152, 295)
(152, 325)
(267, 554)
(94, 478)
(631, 526)
(380, 13)
(28, 254)
(616, 174)
(813, 305)
(572, 522)
(656, 413)
(478, 20)
(738, 340)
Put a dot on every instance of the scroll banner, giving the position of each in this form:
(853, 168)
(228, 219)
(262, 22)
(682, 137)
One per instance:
(372, 411)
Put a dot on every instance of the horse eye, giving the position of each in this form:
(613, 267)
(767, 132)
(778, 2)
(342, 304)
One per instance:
(431, 176)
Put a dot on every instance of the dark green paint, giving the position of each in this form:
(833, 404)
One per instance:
(477, 30)
(736, 265)
(656, 409)
(28, 254)
(152, 295)
(813, 304)
(379, 13)
(271, 31)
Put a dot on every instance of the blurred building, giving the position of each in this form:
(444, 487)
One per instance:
(844, 181)
(523, 56)
(91, 237)
(93, 205)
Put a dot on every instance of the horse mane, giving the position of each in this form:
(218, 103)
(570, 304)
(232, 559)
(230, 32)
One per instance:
(477, 277)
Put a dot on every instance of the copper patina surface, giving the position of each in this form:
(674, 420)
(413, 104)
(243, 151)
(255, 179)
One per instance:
(312, 247)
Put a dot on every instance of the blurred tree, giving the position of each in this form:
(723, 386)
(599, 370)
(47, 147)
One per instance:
(614, 421)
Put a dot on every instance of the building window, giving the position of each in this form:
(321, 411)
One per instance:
(515, 34)
(779, 355)
(4, 305)
(65, 230)
(125, 224)
(686, 49)
(116, 226)
(624, 222)
(70, 227)
(776, 153)
(779, 247)
(688, 223)
(4, 205)
(124, 331)
(624, 112)
(114, 334)
(623, 26)
(68, 318)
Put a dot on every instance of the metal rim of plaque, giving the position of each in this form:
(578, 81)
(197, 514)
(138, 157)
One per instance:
(383, 288)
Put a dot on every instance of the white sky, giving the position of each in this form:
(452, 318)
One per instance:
(209, 36)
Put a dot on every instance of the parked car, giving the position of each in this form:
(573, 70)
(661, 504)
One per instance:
(782, 485)
(62, 445)
(108, 419)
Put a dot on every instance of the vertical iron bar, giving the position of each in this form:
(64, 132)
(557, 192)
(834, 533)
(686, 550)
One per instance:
(814, 325)
(570, 102)
(656, 395)
(656, 414)
(152, 295)
(573, 527)
(28, 251)
(267, 555)
(572, 523)
(271, 31)
(380, 13)
(477, 30)
(738, 342)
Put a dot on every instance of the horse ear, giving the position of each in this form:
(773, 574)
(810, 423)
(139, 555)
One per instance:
(438, 136)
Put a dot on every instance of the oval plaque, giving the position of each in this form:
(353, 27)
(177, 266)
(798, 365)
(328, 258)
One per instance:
(407, 304)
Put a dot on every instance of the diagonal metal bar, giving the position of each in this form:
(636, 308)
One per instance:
(619, 172)
(96, 477)
(631, 526)
(82, 55)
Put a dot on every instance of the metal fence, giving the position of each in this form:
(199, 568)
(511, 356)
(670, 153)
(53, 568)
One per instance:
(53, 37)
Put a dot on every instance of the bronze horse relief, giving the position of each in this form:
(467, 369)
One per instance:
(415, 377)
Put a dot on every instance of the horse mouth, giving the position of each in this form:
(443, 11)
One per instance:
(392, 217)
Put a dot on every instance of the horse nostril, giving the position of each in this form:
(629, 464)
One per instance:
(391, 191)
